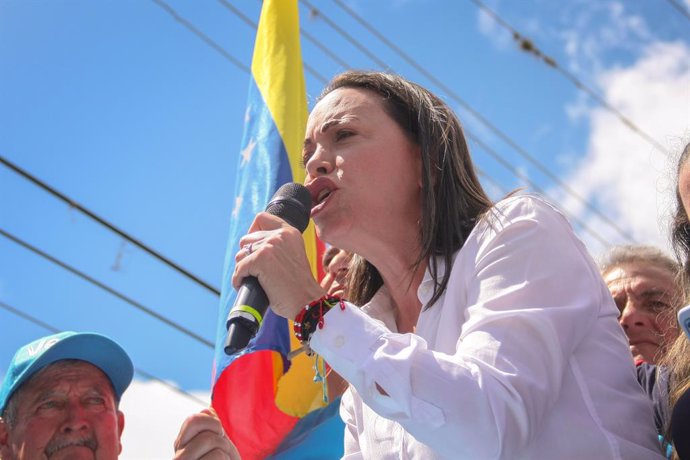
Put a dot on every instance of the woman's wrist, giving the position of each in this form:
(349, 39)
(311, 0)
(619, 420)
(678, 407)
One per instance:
(311, 317)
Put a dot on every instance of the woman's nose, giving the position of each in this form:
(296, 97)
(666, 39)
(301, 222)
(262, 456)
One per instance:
(320, 163)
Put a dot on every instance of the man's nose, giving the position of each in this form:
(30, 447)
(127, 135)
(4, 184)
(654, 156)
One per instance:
(76, 419)
(631, 317)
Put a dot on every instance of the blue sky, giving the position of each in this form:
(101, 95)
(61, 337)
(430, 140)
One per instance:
(132, 115)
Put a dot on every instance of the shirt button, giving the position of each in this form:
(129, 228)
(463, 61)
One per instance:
(339, 341)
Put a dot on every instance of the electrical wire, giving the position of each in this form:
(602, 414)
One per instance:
(73, 204)
(680, 8)
(205, 38)
(317, 13)
(107, 288)
(306, 35)
(484, 121)
(528, 46)
(141, 372)
(222, 51)
(492, 152)
(506, 164)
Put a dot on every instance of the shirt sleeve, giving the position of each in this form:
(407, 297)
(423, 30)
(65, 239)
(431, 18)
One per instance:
(530, 294)
(352, 450)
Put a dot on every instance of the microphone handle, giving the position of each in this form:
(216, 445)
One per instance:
(244, 320)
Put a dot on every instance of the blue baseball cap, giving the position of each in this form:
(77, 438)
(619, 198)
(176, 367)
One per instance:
(90, 347)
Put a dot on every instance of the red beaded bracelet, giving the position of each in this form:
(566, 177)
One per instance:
(311, 317)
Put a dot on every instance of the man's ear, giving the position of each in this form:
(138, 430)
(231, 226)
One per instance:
(4, 439)
(120, 429)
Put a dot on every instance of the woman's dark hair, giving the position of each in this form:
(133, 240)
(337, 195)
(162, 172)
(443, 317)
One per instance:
(677, 358)
(452, 197)
(680, 228)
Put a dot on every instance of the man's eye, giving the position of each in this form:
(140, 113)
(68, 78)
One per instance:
(341, 275)
(658, 305)
(96, 401)
(48, 405)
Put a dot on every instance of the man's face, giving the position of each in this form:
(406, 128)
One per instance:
(645, 295)
(336, 274)
(66, 411)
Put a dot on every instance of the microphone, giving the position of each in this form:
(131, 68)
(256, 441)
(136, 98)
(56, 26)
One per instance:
(292, 203)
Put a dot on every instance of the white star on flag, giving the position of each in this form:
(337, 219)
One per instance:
(247, 152)
(236, 209)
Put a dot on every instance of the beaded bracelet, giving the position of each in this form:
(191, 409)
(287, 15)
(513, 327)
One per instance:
(311, 317)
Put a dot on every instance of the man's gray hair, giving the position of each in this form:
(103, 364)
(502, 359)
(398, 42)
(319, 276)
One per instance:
(649, 255)
(9, 415)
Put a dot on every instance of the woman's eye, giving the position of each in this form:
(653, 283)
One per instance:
(342, 134)
(305, 159)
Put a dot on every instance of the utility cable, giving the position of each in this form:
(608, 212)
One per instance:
(528, 46)
(306, 35)
(141, 372)
(317, 13)
(492, 152)
(503, 162)
(222, 51)
(681, 9)
(108, 225)
(108, 289)
(485, 121)
(205, 38)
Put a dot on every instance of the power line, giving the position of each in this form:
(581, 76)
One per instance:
(205, 38)
(492, 152)
(210, 42)
(528, 46)
(485, 121)
(317, 13)
(108, 225)
(141, 372)
(248, 21)
(107, 288)
(466, 105)
(681, 9)
(532, 184)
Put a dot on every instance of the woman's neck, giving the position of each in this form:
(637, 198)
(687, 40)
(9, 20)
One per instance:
(402, 287)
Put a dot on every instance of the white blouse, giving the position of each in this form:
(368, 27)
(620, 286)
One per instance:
(522, 356)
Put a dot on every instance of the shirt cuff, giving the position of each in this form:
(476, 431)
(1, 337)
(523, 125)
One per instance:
(348, 338)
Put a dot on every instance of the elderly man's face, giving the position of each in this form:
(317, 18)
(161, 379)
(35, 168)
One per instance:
(67, 410)
(645, 296)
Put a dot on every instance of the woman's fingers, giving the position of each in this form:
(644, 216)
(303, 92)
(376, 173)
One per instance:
(274, 253)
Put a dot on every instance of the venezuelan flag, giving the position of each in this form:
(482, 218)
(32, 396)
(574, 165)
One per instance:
(259, 395)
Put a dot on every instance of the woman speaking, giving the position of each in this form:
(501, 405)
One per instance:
(486, 330)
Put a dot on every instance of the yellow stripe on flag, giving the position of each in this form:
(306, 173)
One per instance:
(278, 73)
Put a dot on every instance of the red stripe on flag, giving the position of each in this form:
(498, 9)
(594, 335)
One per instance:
(254, 424)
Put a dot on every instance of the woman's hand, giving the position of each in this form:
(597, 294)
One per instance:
(202, 436)
(274, 253)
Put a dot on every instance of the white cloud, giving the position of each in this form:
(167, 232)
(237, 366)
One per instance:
(631, 181)
(592, 30)
(488, 27)
(153, 416)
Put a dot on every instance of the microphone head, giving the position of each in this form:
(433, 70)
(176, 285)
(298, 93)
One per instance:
(292, 203)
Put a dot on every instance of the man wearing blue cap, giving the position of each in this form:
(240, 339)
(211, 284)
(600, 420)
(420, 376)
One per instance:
(60, 398)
